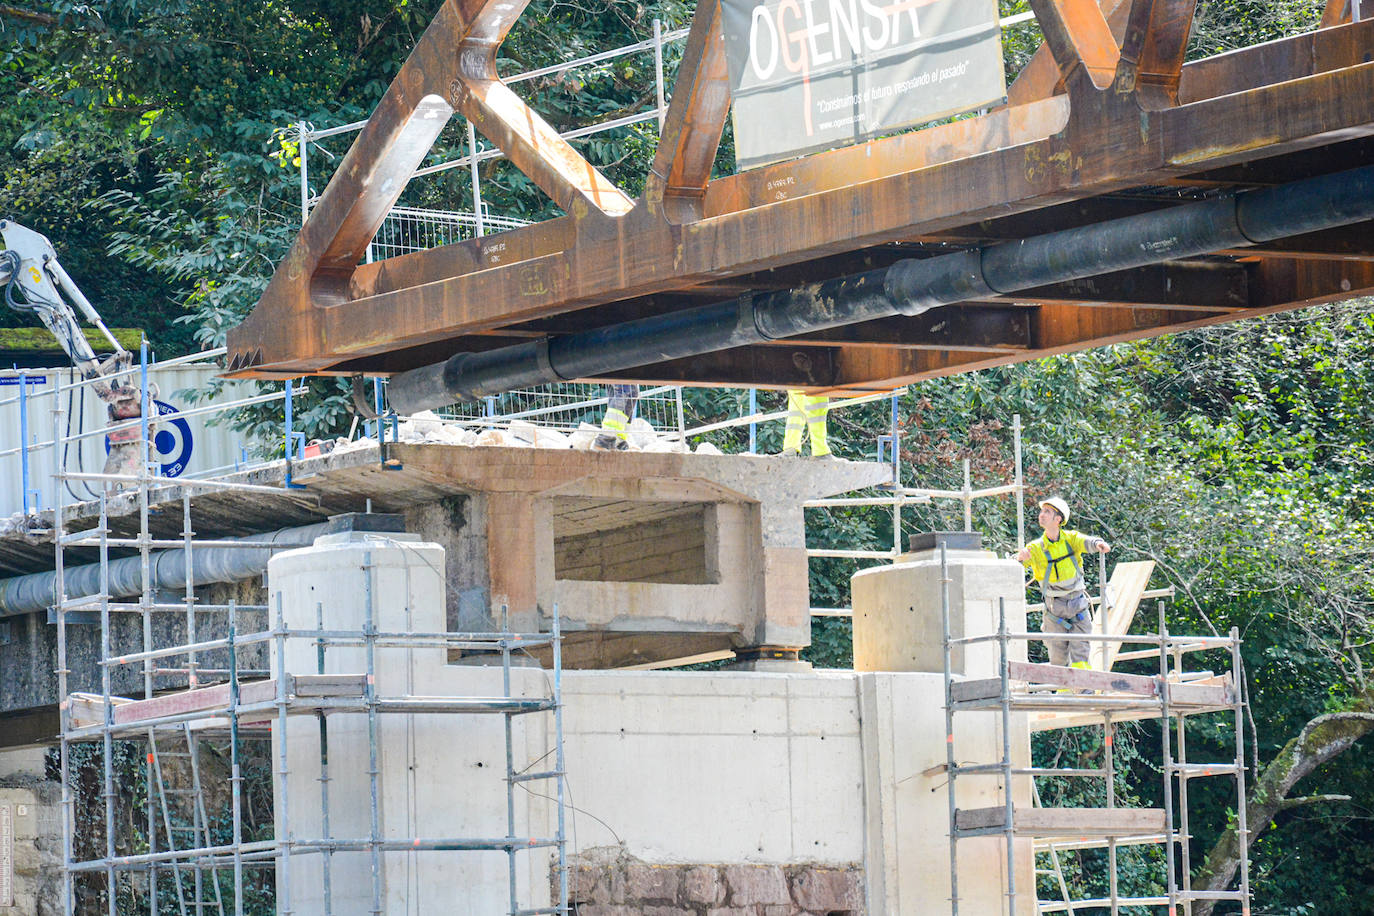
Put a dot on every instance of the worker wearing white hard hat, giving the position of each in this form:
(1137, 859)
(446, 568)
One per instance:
(1056, 561)
(1059, 505)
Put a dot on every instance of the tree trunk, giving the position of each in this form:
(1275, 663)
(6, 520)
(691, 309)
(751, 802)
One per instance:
(1320, 740)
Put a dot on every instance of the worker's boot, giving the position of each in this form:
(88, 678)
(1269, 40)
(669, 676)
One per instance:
(609, 443)
(1087, 691)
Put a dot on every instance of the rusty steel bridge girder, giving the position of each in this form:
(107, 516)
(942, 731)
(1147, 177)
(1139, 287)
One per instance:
(1104, 121)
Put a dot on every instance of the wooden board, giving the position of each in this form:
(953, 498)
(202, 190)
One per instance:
(1044, 720)
(1084, 679)
(1127, 584)
(1066, 822)
(88, 709)
(1065, 844)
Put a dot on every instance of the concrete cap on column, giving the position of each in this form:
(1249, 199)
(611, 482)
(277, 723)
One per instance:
(952, 540)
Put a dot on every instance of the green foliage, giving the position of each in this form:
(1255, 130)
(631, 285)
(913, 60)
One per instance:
(1020, 42)
(1225, 25)
(832, 643)
(129, 774)
(1240, 459)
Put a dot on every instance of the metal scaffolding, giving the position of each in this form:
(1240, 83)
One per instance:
(205, 673)
(895, 497)
(1078, 697)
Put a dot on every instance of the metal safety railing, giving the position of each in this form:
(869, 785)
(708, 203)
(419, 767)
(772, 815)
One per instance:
(896, 498)
(568, 405)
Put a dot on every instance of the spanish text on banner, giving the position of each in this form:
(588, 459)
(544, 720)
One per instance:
(809, 75)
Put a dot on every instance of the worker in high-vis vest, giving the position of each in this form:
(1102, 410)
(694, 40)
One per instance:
(808, 413)
(1056, 561)
(615, 425)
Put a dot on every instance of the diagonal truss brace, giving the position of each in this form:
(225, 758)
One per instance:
(1105, 106)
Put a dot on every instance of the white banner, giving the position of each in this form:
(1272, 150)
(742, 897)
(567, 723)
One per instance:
(809, 75)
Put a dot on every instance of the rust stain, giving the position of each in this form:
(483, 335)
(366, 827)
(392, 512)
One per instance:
(534, 281)
(1212, 153)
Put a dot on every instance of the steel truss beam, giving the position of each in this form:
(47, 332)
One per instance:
(1105, 120)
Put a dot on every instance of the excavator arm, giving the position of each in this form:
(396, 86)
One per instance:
(34, 281)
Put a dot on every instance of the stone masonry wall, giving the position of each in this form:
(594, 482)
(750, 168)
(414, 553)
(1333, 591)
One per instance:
(608, 882)
(35, 845)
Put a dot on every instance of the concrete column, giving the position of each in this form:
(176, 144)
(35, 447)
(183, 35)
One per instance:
(511, 558)
(897, 616)
(438, 776)
(898, 627)
(459, 525)
(784, 599)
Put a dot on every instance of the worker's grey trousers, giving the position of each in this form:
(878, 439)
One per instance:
(1058, 618)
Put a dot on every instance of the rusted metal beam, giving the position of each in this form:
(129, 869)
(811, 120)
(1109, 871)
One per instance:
(1040, 77)
(878, 210)
(1078, 36)
(847, 167)
(696, 118)
(1303, 103)
(1335, 12)
(1308, 54)
(1286, 283)
(452, 66)
(526, 138)
(529, 142)
(1152, 49)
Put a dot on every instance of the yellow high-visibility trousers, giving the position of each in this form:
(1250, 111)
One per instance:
(615, 425)
(805, 412)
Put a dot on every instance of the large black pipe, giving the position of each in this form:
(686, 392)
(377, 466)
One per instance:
(907, 287)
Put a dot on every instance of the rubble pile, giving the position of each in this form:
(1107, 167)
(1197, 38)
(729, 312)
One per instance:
(427, 427)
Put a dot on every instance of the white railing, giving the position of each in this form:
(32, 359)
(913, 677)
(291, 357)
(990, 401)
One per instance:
(896, 497)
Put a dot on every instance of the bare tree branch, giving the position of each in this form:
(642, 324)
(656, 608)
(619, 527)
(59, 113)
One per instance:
(1290, 803)
(18, 12)
(1320, 740)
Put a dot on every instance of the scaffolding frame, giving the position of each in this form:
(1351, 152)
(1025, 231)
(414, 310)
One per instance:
(1172, 696)
(896, 497)
(208, 874)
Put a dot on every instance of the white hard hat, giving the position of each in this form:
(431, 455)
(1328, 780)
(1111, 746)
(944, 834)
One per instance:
(1058, 505)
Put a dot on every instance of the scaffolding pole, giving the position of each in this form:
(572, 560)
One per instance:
(184, 869)
(1172, 697)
